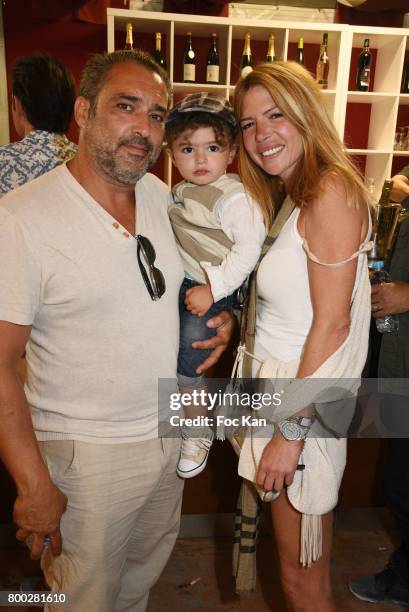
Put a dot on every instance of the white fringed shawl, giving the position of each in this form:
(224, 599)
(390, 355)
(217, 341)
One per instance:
(314, 490)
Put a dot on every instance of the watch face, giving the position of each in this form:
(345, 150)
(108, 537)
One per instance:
(291, 430)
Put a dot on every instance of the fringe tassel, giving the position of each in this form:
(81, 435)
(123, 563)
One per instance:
(311, 539)
(233, 387)
(237, 371)
(245, 538)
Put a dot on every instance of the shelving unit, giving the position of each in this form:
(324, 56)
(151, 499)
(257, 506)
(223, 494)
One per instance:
(366, 121)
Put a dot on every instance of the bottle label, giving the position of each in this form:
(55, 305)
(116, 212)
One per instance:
(364, 77)
(245, 71)
(189, 72)
(191, 54)
(322, 75)
(212, 74)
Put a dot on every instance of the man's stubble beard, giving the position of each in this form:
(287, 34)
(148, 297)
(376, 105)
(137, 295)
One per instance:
(108, 159)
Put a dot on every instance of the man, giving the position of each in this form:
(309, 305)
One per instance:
(42, 106)
(89, 281)
(391, 585)
(400, 189)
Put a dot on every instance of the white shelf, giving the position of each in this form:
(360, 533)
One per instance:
(390, 45)
(369, 152)
(198, 86)
(369, 97)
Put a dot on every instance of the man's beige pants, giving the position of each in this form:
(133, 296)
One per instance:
(120, 524)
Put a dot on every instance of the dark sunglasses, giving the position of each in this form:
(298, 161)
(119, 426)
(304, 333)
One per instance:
(153, 279)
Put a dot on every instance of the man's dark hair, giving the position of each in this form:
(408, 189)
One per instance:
(98, 66)
(223, 132)
(46, 90)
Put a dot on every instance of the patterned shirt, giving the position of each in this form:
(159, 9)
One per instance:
(37, 153)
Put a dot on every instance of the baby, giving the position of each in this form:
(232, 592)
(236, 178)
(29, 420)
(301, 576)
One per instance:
(219, 231)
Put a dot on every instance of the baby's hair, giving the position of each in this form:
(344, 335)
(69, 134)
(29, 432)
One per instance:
(224, 133)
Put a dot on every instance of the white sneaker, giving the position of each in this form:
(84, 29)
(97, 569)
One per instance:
(193, 456)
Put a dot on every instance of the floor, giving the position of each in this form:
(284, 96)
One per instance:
(363, 542)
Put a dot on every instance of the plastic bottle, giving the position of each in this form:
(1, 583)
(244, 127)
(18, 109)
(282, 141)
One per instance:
(388, 323)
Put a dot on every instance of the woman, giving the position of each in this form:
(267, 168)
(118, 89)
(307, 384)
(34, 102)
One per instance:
(304, 306)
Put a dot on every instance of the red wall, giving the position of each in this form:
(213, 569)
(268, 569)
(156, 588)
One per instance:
(28, 30)
(49, 25)
(70, 41)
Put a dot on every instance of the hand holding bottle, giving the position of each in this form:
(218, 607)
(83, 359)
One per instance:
(390, 298)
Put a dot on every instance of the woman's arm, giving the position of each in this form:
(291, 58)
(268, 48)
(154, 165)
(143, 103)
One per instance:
(333, 231)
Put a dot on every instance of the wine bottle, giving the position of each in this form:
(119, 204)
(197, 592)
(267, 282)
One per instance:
(158, 55)
(385, 218)
(300, 52)
(271, 54)
(385, 198)
(189, 61)
(213, 62)
(246, 63)
(405, 80)
(323, 64)
(129, 37)
(363, 73)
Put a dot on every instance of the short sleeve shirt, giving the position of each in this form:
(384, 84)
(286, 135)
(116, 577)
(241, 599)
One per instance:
(37, 153)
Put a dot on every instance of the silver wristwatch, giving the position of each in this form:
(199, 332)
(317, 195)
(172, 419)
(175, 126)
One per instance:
(295, 428)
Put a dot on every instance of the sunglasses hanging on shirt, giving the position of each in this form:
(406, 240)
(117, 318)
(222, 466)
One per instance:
(152, 276)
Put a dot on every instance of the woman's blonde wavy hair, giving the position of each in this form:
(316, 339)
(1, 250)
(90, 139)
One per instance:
(299, 98)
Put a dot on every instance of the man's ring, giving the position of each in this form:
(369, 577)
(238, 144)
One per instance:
(29, 541)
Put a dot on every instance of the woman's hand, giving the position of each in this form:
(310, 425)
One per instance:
(278, 463)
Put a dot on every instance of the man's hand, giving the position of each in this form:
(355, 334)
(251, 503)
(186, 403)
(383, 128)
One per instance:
(38, 515)
(199, 299)
(390, 298)
(224, 322)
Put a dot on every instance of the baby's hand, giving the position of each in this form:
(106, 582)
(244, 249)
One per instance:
(199, 299)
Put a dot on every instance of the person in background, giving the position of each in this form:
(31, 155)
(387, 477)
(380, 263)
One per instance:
(219, 232)
(307, 283)
(89, 285)
(42, 106)
(391, 585)
(400, 189)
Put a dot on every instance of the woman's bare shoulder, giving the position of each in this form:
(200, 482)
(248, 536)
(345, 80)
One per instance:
(330, 215)
(332, 200)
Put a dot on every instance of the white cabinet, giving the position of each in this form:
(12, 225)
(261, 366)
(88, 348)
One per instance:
(366, 121)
